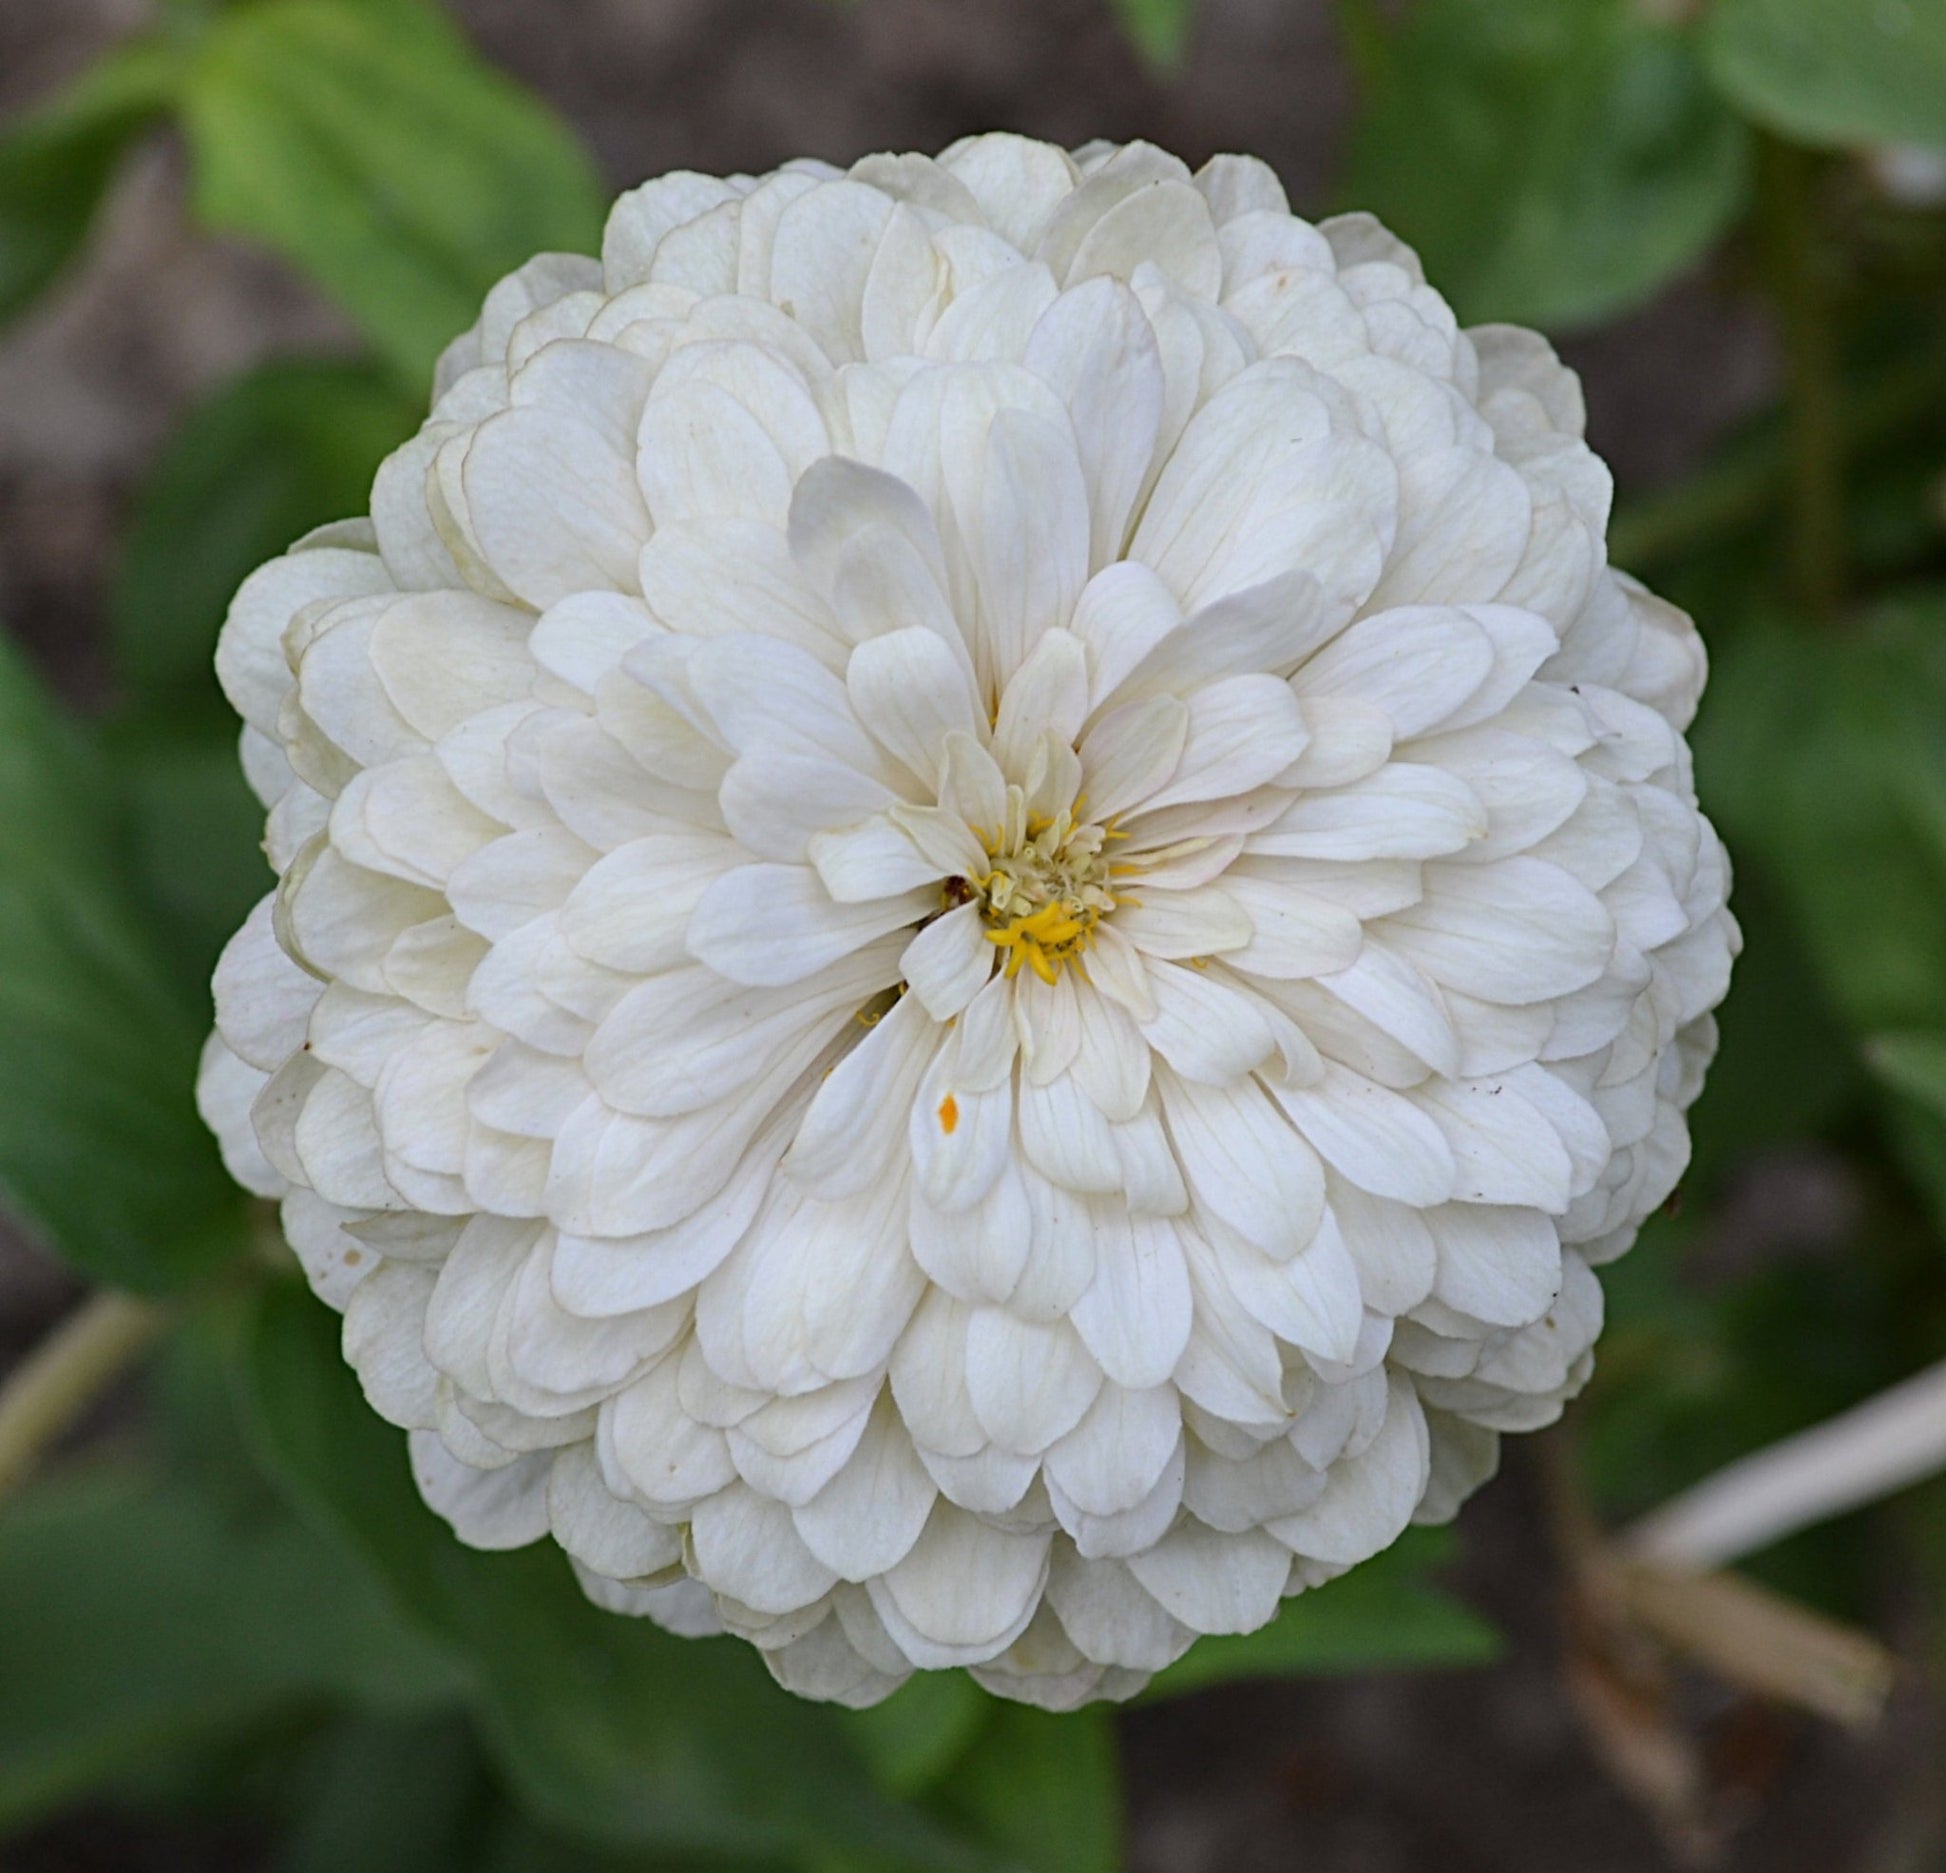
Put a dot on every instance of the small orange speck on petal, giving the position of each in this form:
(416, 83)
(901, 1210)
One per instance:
(948, 1114)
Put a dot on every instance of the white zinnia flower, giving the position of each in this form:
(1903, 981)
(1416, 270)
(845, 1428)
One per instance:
(985, 904)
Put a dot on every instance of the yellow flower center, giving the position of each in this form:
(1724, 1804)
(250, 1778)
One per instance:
(1046, 890)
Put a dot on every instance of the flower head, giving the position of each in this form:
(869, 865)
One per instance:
(985, 904)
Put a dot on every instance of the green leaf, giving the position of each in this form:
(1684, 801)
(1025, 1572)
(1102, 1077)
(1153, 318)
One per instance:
(56, 163)
(1384, 1615)
(415, 1794)
(141, 1619)
(263, 461)
(1554, 161)
(100, 1144)
(912, 1739)
(1823, 71)
(1776, 1016)
(1045, 1789)
(195, 833)
(369, 145)
(1913, 1064)
(1826, 756)
(609, 1728)
(402, 1796)
(1158, 29)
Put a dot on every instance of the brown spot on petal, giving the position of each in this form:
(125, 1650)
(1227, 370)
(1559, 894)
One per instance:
(948, 1114)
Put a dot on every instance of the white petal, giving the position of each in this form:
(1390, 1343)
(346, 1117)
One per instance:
(875, 860)
(823, 251)
(1391, 1246)
(1213, 1582)
(776, 924)
(778, 803)
(263, 999)
(1506, 1151)
(1263, 629)
(1243, 731)
(1378, 1140)
(719, 576)
(1502, 1266)
(1244, 1162)
(910, 692)
(1065, 1136)
(1203, 1028)
(600, 1531)
(1267, 479)
(1131, 752)
(748, 1547)
(866, 1519)
(948, 962)
(382, 1344)
(504, 1508)
(1047, 693)
(1312, 1299)
(553, 504)
(852, 1125)
(1418, 663)
(1111, 1618)
(1368, 1499)
(630, 910)
(965, 1591)
(1294, 932)
(668, 1457)
(688, 1037)
(959, 1136)
(1116, 1453)
(1029, 1382)
(1097, 350)
(1176, 925)
(1017, 181)
(1517, 931)
(1397, 999)
(1135, 1316)
(1402, 811)
(1123, 612)
(250, 660)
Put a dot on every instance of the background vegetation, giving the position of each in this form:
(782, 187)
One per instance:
(231, 1603)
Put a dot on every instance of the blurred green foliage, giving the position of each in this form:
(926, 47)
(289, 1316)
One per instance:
(1554, 161)
(1158, 29)
(1834, 74)
(367, 144)
(100, 1145)
(301, 1637)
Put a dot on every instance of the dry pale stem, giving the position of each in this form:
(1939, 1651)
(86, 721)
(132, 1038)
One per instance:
(48, 1390)
(1897, 1438)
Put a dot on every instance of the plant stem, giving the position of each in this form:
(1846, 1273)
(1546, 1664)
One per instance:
(1762, 1642)
(1801, 290)
(1739, 486)
(1367, 39)
(1865, 1453)
(49, 1389)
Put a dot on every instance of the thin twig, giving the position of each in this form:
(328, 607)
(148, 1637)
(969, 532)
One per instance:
(1763, 1642)
(1865, 1453)
(48, 1390)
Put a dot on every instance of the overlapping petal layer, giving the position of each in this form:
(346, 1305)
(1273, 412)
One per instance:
(985, 904)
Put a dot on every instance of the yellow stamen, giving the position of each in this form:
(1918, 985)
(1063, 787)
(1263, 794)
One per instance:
(1046, 890)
